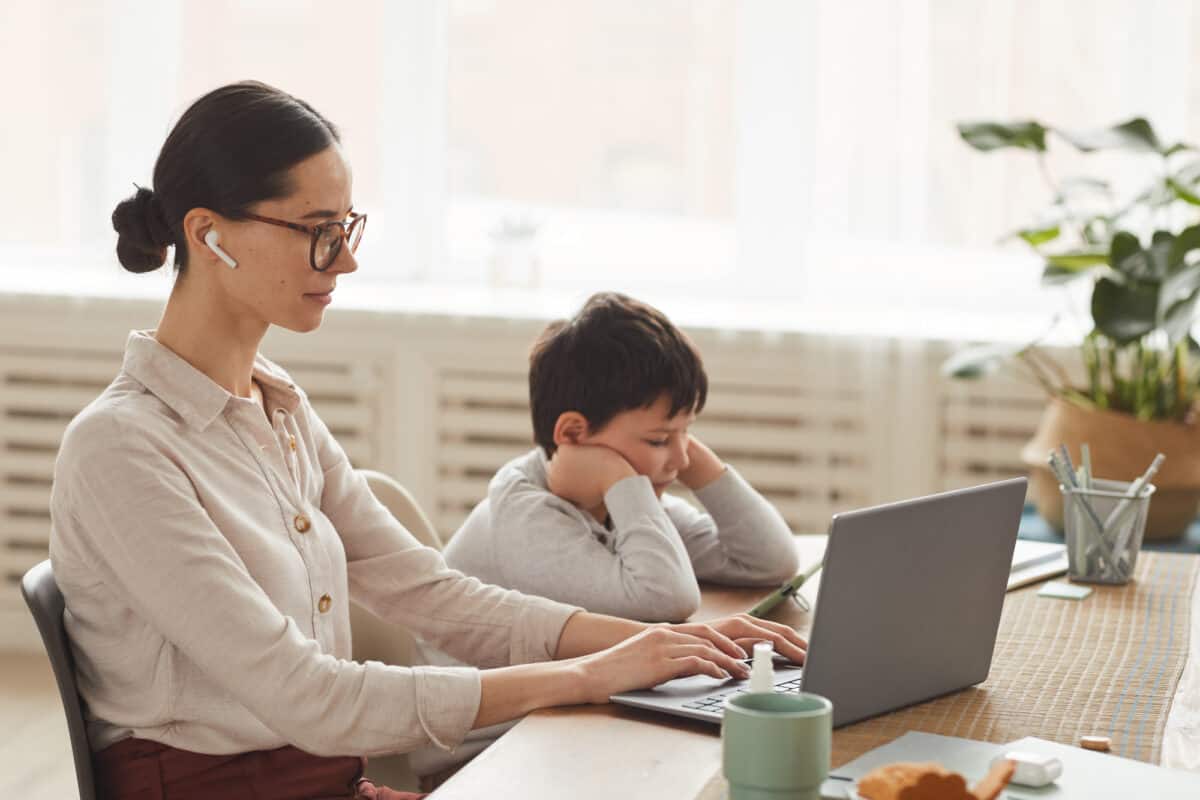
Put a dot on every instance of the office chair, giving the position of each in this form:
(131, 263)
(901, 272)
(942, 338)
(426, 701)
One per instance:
(377, 640)
(373, 639)
(46, 604)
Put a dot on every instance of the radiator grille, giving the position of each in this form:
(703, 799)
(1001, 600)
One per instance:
(41, 391)
(805, 446)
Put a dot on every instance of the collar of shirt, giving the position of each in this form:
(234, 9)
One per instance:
(187, 391)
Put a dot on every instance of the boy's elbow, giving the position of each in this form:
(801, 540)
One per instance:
(681, 604)
(780, 564)
(664, 604)
(789, 563)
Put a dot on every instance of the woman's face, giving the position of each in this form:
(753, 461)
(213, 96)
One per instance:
(274, 280)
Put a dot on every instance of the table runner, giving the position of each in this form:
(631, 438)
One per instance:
(1107, 665)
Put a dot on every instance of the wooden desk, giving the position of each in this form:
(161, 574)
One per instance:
(613, 751)
(1061, 669)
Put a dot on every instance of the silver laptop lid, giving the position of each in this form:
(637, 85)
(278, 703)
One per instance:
(910, 598)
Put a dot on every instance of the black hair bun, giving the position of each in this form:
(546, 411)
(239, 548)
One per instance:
(143, 233)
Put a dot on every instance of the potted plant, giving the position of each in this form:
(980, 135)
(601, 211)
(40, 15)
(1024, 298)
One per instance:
(1138, 259)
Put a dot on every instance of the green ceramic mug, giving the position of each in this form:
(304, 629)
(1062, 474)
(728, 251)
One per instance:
(776, 746)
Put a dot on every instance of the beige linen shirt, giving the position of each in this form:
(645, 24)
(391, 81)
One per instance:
(208, 553)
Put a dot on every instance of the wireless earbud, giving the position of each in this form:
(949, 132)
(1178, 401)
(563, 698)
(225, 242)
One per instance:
(213, 240)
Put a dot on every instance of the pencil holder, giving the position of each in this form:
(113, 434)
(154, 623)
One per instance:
(1104, 528)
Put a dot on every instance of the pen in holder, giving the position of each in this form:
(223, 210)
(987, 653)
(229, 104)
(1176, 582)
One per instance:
(1104, 525)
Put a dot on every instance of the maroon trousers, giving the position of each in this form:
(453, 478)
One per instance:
(139, 769)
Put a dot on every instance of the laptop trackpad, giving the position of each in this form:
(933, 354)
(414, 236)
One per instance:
(691, 686)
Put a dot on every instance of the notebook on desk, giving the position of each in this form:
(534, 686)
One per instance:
(902, 586)
(1036, 561)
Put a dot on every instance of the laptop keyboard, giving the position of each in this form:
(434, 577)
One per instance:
(715, 703)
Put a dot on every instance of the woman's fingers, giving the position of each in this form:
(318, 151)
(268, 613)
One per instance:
(728, 664)
(711, 634)
(697, 665)
(784, 639)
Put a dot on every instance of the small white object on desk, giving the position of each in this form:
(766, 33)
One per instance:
(1033, 769)
(1068, 591)
(762, 673)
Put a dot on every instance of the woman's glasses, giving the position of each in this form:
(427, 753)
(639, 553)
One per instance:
(327, 237)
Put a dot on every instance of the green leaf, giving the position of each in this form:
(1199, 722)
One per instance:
(1179, 318)
(1077, 260)
(1187, 241)
(1158, 255)
(1177, 289)
(1158, 193)
(1183, 193)
(1127, 256)
(1085, 183)
(1133, 134)
(985, 136)
(1054, 275)
(1095, 230)
(1036, 236)
(1178, 147)
(1189, 173)
(1124, 313)
(976, 362)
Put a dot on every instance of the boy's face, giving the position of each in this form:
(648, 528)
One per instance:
(653, 443)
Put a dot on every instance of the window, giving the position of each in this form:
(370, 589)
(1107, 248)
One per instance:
(765, 148)
(599, 133)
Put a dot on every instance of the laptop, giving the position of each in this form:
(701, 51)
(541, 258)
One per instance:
(907, 609)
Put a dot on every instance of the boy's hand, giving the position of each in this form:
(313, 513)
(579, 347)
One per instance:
(703, 466)
(583, 473)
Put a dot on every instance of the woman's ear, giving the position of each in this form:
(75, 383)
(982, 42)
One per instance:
(571, 427)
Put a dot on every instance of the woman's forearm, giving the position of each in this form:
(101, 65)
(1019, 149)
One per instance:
(602, 656)
(587, 633)
(511, 692)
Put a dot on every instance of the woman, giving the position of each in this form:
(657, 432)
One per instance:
(209, 532)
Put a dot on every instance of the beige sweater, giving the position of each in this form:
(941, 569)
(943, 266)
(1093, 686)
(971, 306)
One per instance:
(208, 553)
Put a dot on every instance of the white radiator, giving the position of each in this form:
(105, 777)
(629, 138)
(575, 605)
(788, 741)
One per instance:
(819, 424)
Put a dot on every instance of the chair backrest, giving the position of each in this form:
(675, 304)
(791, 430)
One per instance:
(46, 603)
(403, 507)
(375, 639)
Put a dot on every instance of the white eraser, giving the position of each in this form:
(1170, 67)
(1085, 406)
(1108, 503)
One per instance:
(1033, 769)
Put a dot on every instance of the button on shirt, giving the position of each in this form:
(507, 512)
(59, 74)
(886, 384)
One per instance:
(207, 553)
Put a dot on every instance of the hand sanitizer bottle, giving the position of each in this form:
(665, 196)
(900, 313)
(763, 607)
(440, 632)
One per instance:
(762, 671)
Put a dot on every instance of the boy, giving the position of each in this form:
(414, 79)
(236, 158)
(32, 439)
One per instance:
(582, 518)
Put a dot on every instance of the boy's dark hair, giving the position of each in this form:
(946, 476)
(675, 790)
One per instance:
(615, 355)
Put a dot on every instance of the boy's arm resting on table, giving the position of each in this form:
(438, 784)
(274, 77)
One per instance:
(146, 535)
(742, 539)
(550, 549)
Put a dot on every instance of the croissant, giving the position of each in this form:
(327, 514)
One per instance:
(931, 781)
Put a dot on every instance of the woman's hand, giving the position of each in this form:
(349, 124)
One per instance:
(745, 630)
(659, 654)
(606, 655)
